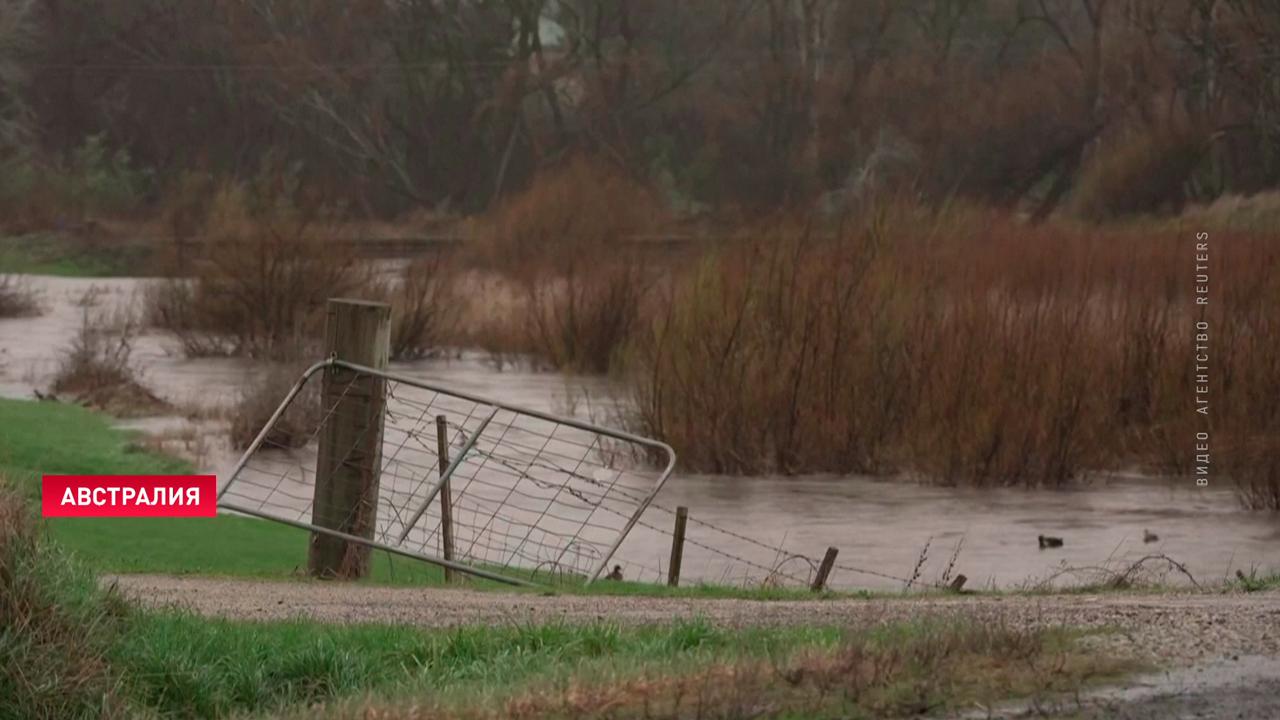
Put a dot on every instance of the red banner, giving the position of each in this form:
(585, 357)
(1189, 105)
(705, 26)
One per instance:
(129, 495)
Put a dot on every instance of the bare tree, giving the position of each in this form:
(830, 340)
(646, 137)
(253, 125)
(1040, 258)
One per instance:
(17, 35)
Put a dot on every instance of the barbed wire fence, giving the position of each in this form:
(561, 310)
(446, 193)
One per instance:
(532, 497)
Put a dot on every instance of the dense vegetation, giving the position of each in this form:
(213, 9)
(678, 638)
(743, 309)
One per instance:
(385, 108)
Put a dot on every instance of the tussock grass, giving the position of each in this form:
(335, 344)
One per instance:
(56, 627)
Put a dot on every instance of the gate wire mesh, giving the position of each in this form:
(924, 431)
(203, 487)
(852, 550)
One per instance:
(532, 494)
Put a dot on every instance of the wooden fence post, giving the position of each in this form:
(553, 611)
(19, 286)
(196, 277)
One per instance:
(446, 498)
(350, 456)
(677, 547)
(824, 570)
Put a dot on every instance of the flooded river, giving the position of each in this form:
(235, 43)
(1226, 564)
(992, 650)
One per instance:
(879, 527)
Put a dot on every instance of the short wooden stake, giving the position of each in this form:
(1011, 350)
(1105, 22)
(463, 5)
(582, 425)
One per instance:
(677, 546)
(350, 456)
(446, 497)
(824, 570)
(958, 583)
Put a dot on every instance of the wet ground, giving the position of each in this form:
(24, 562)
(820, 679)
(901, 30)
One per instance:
(1236, 688)
(881, 527)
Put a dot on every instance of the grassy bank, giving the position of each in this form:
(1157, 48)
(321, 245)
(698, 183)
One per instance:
(50, 438)
(70, 649)
(56, 439)
(68, 255)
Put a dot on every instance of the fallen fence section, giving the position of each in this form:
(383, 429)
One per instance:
(530, 495)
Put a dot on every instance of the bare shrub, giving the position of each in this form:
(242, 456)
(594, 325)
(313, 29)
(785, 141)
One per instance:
(426, 308)
(564, 241)
(580, 321)
(962, 346)
(780, 354)
(97, 369)
(260, 398)
(17, 298)
(259, 285)
(566, 217)
(1144, 174)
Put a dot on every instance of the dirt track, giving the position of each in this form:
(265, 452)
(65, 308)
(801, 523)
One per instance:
(1186, 628)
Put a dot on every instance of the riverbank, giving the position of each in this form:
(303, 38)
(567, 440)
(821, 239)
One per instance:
(883, 526)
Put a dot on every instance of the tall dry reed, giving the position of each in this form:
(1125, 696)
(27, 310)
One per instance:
(963, 346)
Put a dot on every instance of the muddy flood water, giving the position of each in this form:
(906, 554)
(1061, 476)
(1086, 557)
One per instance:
(878, 526)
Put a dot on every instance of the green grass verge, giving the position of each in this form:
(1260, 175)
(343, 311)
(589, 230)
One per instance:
(55, 439)
(65, 256)
(70, 650)
(77, 652)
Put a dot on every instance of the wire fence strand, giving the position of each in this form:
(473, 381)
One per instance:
(532, 496)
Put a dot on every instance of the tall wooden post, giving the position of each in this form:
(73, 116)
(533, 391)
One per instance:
(446, 497)
(350, 457)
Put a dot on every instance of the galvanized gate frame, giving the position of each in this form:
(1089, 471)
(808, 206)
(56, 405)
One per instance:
(454, 464)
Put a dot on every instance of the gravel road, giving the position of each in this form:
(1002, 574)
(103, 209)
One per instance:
(1181, 629)
(1221, 651)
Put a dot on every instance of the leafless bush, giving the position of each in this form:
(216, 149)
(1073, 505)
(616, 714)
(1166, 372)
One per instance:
(564, 243)
(259, 285)
(17, 299)
(97, 369)
(426, 308)
(259, 400)
(964, 348)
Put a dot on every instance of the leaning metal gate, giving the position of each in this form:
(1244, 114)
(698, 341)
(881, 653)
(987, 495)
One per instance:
(532, 494)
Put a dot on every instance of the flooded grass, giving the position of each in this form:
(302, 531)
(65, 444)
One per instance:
(17, 299)
(67, 255)
(97, 369)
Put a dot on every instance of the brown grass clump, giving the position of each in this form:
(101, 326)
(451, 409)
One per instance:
(564, 243)
(17, 299)
(261, 397)
(97, 369)
(55, 628)
(962, 346)
(259, 285)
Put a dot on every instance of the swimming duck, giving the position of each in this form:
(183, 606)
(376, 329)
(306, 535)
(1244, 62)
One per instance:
(1149, 537)
(1048, 542)
(616, 574)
